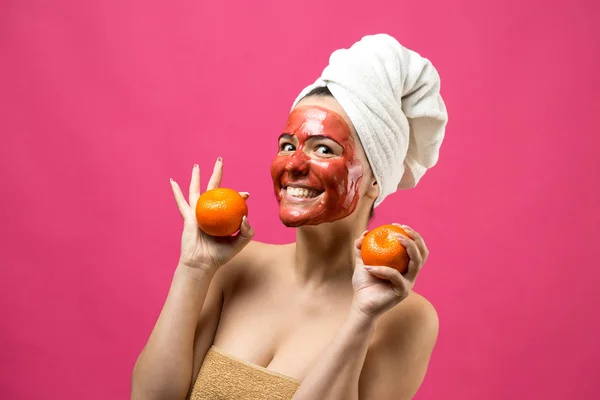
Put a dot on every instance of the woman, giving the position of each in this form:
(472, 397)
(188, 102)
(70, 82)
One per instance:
(308, 320)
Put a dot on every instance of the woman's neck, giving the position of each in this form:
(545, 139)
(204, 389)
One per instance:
(325, 253)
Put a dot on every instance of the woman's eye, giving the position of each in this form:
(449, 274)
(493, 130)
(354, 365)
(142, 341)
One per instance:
(324, 149)
(287, 147)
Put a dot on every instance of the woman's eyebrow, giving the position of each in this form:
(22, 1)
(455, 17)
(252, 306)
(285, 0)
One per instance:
(321, 137)
(285, 136)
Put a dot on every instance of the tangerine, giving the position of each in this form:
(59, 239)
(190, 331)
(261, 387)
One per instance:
(381, 247)
(220, 211)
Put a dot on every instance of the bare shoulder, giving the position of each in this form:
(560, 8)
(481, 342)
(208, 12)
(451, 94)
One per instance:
(250, 263)
(413, 317)
(399, 354)
(258, 254)
(417, 309)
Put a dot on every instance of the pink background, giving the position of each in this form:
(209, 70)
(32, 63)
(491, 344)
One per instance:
(101, 102)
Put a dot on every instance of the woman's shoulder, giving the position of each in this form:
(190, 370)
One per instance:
(257, 254)
(254, 259)
(414, 317)
(401, 348)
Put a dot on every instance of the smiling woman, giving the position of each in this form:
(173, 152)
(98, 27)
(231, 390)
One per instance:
(308, 320)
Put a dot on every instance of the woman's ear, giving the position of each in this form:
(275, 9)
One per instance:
(373, 190)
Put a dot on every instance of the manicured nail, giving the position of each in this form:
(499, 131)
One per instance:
(219, 159)
(171, 180)
(195, 165)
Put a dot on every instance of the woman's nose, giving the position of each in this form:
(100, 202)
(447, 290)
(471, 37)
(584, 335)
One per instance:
(298, 163)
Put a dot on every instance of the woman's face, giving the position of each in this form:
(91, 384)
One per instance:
(317, 172)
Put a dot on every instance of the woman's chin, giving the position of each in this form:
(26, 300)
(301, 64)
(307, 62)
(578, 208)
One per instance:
(295, 221)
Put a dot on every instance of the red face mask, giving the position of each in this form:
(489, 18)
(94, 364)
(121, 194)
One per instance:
(317, 172)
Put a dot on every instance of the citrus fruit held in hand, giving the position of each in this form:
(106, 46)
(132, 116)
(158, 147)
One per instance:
(382, 247)
(220, 211)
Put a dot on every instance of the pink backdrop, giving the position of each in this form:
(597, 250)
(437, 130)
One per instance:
(102, 101)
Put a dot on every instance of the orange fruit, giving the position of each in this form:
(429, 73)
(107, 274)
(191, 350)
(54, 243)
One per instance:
(220, 211)
(382, 247)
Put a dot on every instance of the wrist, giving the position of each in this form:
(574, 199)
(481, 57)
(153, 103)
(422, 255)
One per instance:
(197, 273)
(198, 264)
(360, 320)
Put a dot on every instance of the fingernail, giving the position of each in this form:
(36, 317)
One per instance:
(368, 268)
(406, 226)
(219, 159)
(195, 165)
(170, 179)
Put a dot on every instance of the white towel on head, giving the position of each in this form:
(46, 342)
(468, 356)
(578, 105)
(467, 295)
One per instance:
(392, 96)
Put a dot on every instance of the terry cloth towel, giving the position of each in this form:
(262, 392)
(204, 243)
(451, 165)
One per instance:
(224, 377)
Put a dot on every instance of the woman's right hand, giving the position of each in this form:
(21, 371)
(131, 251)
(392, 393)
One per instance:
(199, 250)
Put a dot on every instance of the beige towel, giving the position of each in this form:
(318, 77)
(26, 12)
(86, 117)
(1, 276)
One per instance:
(223, 377)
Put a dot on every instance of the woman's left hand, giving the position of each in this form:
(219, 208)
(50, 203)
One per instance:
(379, 288)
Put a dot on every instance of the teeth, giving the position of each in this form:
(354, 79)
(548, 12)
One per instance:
(301, 192)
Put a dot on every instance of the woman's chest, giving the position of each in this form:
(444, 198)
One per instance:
(282, 330)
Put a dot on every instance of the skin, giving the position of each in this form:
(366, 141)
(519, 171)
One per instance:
(309, 310)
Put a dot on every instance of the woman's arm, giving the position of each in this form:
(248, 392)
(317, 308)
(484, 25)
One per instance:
(337, 371)
(164, 367)
(399, 353)
(397, 359)
(190, 315)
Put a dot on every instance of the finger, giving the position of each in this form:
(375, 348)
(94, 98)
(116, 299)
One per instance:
(215, 178)
(245, 195)
(358, 246)
(399, 284)
(358, 242)
(418, 239)
(415, 259)
(194, 186)
(245, 229)
(182, 205)
(244, 236)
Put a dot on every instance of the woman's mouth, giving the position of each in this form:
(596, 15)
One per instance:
(298, 193)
